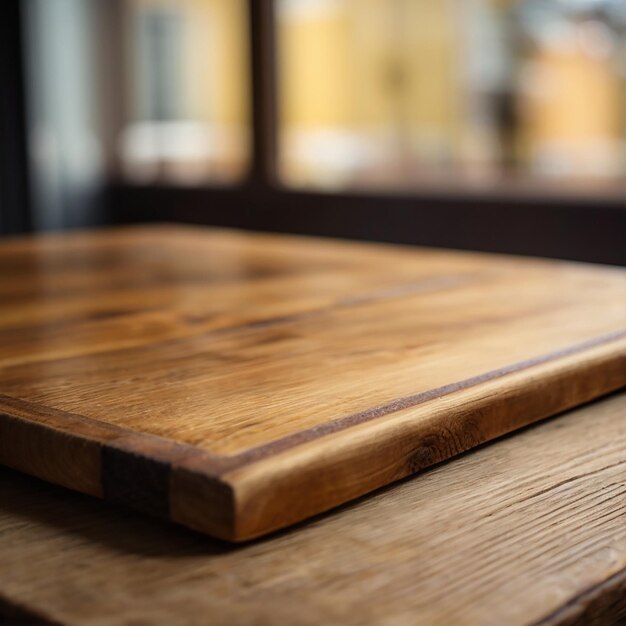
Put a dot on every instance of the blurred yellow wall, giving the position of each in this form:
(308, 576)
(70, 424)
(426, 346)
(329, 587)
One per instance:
(368, 63)
(571, 108)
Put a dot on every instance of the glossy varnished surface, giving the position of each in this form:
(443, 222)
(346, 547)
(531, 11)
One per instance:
(267, 360)
(529, 530)
(232, 341)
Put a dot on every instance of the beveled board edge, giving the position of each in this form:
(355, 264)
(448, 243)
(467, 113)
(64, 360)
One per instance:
(313, 478)
(142, 471)
(263, 489)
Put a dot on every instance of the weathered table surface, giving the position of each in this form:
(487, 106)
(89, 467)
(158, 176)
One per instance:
(530, 529)
(238, 383)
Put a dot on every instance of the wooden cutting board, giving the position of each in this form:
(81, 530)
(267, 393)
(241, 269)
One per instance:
(238, 383)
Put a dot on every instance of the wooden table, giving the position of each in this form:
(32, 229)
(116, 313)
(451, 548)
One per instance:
(528, 530)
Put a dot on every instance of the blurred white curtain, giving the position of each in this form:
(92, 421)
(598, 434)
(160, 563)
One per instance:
(67, 168)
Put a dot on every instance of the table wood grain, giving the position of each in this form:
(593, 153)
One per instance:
(237, 383)
(527, 530)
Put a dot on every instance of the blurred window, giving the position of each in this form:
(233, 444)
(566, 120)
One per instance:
(188, 101)
(405, 93)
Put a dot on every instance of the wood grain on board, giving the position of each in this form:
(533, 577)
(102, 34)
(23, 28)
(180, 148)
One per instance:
(238, 383)
(528, 531)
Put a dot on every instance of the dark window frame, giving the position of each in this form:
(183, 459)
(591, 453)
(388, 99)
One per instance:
(15, 209)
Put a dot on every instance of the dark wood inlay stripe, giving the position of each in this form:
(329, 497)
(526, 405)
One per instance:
(136, 481)
(145, 446)
(342, 423)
